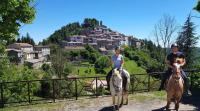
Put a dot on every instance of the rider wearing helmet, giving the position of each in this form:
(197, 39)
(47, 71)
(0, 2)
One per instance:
(169, 62)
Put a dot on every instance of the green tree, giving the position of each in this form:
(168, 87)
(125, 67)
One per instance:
(26, 39)
(58, 61)
(63, 33)
(14, 13)
(90, 23)
(187, 41)
(197, 7)
(101, 63)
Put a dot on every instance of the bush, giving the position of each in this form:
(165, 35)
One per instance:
(101, 63)
(93, 58)
(18, 91)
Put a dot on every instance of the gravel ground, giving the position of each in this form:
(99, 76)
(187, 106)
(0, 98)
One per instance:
(154, 101)
(105, 104)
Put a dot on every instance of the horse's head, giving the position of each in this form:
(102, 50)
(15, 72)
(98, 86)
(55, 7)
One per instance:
(177, 68)
(116, 79)
(116, 74)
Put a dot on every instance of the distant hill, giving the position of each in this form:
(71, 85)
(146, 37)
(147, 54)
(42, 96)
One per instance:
(71, 29)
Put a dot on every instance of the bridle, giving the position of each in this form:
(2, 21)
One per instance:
(116, 87)
(176, 76)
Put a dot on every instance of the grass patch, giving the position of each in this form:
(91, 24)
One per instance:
(130, 65)
(141, 97)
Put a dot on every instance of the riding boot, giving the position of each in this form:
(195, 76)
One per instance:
(162, 85)
(108, 83)
(187, 91)
(108, 80)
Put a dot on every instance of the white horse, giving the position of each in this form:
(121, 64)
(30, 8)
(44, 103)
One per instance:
(117, 89)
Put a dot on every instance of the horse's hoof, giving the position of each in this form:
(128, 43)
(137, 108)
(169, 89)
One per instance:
(167, 107)
(176, 108)
(117, 108)
(126, 103)
(120, 105)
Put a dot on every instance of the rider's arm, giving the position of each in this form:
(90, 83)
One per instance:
(183, 62)
(122, 62)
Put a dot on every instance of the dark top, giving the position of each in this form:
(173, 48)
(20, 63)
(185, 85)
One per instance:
(172, 57)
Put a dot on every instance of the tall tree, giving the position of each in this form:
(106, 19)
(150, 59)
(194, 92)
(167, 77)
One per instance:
(164, 31)
(90, 23)
(197, 7)
(57, 60)
(187, 41)
(26, 39)
(13, 14)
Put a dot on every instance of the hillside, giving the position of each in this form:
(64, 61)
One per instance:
(130, 65)
(71, 29)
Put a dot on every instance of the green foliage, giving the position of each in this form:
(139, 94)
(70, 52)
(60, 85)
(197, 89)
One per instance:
(64, 32)
(156, 52)
(2, 48)
(46, 67)
(74, 54)
(90, 23)
(93, 57)
(197, 7)
(85, 54)
(18, 91)
(143, 59)
(132, 67)
(101, 63)
(14, 13)
(26, 39)
(58, 61)
(69, 30)
(187, 41)
(68, 68)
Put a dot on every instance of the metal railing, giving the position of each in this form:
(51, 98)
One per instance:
(73, 87)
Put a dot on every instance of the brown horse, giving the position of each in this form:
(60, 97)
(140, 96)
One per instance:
(174, 86)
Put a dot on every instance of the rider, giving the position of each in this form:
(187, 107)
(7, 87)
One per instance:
(169, 61)
(117, 61)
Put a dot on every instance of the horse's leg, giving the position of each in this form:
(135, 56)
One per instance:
(113, 98)
(168, 101)
(126, 94)
(118, 100)
(177, 103)
(122, 99)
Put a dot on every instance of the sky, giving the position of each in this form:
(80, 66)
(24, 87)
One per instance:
(130, 17)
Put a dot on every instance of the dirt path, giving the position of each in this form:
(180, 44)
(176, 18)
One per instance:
(141, 104)
(152, 101)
